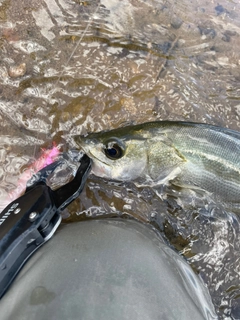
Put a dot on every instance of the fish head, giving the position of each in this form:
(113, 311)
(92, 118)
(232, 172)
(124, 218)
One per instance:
(116, 155)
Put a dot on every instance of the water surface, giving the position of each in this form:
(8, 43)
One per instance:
(137, 61)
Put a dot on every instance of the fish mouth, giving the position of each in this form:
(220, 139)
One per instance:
(96, 169)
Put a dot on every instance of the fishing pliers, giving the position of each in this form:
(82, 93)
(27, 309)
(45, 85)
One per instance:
(29, 221)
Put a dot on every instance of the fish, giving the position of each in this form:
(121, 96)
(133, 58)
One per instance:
(184, 154)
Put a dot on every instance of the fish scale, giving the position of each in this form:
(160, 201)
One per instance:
(214, 143)
(216, 160)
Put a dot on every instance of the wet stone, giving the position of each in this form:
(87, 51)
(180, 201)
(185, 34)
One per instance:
(17, 71)
(230, 33)
(176, 22)
(215, 49)
(164, 47)
(219, 9)
(209, 32)
(226, 37)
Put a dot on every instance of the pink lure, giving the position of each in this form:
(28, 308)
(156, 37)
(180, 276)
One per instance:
(47, 157)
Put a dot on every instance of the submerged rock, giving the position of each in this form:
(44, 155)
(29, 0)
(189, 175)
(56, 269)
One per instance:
(17, 71)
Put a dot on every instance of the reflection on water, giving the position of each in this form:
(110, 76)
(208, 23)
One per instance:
(138, 61)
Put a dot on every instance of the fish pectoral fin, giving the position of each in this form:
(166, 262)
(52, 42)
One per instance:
(184, 184)
(167, 175)
(164, 179)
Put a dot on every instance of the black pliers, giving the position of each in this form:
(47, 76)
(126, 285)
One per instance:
(31, 220)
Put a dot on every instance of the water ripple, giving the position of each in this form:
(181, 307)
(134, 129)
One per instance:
(136, 62)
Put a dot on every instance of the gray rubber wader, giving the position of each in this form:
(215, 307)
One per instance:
(106, 270)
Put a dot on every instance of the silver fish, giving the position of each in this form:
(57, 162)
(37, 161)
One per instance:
(185, 154)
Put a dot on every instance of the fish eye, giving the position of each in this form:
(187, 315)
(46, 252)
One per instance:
(114, 150)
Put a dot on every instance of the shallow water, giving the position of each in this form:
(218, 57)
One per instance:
(137, 61)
